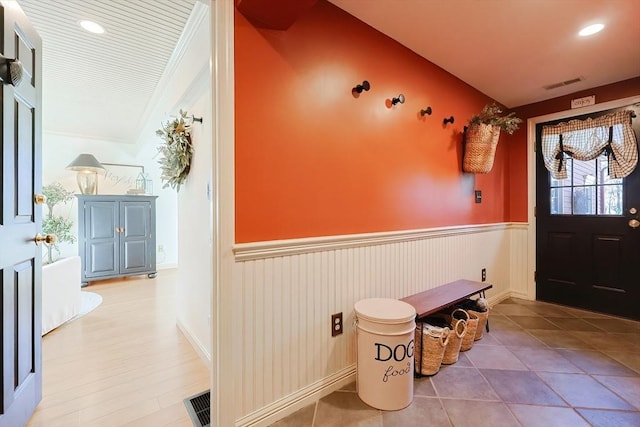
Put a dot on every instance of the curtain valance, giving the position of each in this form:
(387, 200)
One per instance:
(611, 134)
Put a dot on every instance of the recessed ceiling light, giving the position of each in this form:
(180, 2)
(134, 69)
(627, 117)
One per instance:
(92, 27)
(591, 29)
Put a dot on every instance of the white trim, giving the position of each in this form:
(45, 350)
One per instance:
(277, 248)
(498, 298)
(199, 12)
(531, 165)
(195, 343)
(298, 400)
(224, 338)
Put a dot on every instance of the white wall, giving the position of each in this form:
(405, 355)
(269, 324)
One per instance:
(186, 85)
(195, 241)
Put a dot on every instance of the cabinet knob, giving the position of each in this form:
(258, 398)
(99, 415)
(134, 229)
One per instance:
(39, 199)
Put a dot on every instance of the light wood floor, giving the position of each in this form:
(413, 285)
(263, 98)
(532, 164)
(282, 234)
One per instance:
(124, 364)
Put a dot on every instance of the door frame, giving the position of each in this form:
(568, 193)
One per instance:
(531, 172)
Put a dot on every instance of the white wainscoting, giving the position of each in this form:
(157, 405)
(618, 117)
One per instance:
(286, 291)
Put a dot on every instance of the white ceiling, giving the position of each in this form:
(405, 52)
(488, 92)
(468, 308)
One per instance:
(511, 49)
(100, 86)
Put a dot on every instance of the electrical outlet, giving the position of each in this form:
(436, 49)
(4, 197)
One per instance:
(484, 274)
(160, 248)
(336, 324)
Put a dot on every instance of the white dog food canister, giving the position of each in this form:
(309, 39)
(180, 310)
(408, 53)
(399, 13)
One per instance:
(385, 350)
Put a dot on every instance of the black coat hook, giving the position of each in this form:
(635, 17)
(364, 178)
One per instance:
(359, 88)
(399, 99)
(425, 111)
(448, 120)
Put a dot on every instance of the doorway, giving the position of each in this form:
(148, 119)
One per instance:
(586, 244)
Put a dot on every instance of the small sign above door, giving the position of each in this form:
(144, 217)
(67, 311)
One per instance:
(583, 102)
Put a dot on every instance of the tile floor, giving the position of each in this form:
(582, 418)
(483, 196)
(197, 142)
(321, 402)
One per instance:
(541, 365)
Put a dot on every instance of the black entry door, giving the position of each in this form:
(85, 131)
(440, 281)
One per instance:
(20, 220)
(587, 250)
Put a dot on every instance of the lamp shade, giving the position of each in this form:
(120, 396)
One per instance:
(85, 163)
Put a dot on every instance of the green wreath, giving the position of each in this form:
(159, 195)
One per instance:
(176, 151)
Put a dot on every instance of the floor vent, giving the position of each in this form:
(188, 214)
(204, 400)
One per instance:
(198, 408)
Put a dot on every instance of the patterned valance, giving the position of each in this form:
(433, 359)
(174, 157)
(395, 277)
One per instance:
(611, 134)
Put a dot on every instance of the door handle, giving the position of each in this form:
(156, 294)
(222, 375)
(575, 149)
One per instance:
(49, 239)
(39, 199)
(10, 71)
(634, 223)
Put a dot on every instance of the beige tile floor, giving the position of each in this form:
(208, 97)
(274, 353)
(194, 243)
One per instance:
(541, 365)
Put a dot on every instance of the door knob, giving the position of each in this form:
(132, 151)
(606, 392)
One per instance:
(634, 223)
(47, 238)
(10, 71)
(39, 199)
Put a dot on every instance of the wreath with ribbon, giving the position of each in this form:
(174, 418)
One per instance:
(176, 151)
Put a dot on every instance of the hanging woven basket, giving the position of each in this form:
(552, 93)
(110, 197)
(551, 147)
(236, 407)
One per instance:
(480, 148)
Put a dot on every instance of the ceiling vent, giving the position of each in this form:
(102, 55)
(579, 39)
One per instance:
(564, 83)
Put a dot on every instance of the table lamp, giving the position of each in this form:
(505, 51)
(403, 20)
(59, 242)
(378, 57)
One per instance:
(87, 168)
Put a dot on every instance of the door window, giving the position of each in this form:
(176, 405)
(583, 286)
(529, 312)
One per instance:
(588, 189)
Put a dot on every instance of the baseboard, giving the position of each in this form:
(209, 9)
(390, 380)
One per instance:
(521, 295)
(195, 343)
(498, 298)
(298, 400)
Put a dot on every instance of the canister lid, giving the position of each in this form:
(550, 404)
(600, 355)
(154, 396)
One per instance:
(385, 310)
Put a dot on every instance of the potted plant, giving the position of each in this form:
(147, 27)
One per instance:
(482, 135)
(56, 224)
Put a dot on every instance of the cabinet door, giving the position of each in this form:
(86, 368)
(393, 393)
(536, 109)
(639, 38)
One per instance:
(101, 248)
(135, 218)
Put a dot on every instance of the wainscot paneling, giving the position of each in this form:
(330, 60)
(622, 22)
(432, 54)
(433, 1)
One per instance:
(287, 291)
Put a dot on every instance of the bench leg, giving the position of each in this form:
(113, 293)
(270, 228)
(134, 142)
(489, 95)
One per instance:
(487, 325)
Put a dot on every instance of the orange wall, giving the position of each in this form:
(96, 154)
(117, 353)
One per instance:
(517, 143)
(312, 160)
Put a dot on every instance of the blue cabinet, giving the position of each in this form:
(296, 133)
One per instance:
(116, 236)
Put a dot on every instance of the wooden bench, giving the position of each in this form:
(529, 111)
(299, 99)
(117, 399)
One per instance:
(434, 300)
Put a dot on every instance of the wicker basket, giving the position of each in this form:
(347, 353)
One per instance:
(483, 317)
(458, 330)
(451, 353)
(430, 345)
(480, 148)
(472, 326)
